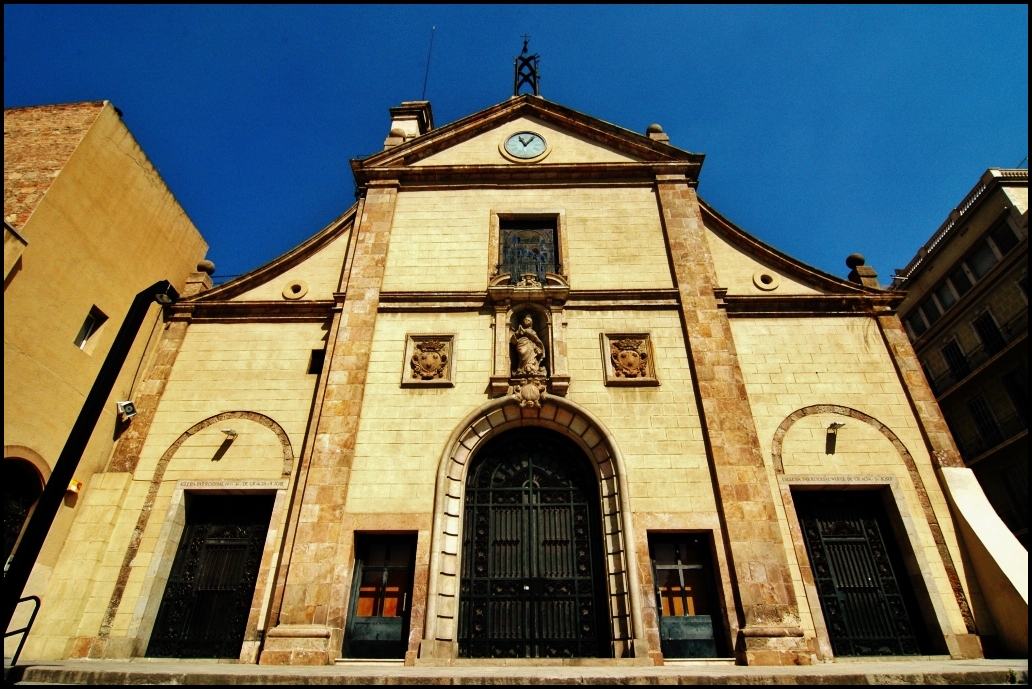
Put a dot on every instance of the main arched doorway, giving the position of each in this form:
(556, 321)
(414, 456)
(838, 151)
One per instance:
(532, 581)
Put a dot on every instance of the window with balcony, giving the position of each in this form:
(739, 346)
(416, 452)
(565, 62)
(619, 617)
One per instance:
(988, 332)
(1016, 384)
(955, 360)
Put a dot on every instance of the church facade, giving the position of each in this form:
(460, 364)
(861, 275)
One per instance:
(532, 397)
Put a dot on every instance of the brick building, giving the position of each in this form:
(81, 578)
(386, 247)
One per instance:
(966, 313)
(88, 223)
(532, 397)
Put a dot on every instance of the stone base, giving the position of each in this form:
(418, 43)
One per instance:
(964, 646)
(301, 644)
(786, 646)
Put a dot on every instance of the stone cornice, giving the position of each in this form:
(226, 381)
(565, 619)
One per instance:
(990, 180)
(765, 305)
(480, 175)
(255, 311)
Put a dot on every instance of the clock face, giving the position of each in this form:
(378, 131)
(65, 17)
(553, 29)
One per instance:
(525, 145)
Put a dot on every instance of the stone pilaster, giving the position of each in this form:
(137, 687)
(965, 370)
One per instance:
(311, 616)
(127, 453)
(945, 455)
(770, 633)
(937, 434)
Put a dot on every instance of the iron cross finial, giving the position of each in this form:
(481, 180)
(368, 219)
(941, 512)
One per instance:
(526, 70)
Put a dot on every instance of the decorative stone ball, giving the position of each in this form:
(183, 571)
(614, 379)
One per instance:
(854, 260)
(397, 131)
(654, 129)
(206, 266)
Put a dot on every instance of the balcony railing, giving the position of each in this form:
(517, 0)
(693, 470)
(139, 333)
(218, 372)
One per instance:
(1012, 330)
(978, 444)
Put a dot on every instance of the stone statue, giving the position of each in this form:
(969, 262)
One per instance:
(530, 350)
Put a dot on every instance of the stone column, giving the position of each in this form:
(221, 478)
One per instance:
(312, 614)
(769, 632)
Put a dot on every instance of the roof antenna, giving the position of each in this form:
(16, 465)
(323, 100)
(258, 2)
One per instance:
(428, 54)
(526, 70)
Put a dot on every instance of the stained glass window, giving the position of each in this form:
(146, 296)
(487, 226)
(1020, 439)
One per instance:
(528, 248)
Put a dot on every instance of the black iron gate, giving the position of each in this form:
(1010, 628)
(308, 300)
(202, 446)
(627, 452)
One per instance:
(865, 594)
(204, 611)
(530, 560)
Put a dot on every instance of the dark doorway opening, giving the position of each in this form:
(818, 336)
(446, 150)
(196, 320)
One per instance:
(381, 597)
(22, 488)
(690, 624)
(204, 610)
(868, 602)
(533, 581)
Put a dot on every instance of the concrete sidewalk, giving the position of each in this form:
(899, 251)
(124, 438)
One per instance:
(201, 672)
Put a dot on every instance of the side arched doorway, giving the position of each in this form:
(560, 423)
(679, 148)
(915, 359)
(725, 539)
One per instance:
(22, 487)
(532, 582)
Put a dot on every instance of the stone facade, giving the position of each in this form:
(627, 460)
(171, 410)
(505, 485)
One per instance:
(749, 357)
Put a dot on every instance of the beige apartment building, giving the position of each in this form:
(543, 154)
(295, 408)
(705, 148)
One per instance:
(966, 313)
(88, 223)
(531, 399)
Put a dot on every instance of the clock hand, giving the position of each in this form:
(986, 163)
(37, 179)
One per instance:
(523, 142)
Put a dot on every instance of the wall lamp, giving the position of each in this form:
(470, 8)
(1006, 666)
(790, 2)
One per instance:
(230, 433)
(832, 436)
(127, 409)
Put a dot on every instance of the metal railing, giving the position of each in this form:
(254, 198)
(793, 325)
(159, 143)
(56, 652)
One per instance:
(1012, 330)
(24, 631)
(979, 443)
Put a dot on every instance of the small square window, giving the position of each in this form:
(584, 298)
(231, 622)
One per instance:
(315, 364)
(90, 327)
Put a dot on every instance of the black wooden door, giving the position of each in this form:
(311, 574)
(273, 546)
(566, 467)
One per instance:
(381, 597)
(530, 562)
(865, 594)
(204, 611)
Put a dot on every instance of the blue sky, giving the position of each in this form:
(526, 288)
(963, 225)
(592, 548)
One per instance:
(828, 130)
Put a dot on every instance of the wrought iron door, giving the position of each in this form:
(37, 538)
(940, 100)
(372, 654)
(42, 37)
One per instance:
(863, 588)
(204, 611)
(531, 585)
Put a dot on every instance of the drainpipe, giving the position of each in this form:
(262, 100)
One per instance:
(42, 517)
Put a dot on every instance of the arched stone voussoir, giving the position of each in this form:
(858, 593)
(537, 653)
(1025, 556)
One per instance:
(440, 639)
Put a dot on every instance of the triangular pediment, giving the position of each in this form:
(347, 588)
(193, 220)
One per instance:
(572, 138)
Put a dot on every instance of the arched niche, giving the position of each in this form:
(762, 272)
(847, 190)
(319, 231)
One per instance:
(440, 634)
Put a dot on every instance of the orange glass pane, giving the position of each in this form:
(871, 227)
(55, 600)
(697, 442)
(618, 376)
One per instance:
(370, 594)
(670, 594)
(395, 598)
